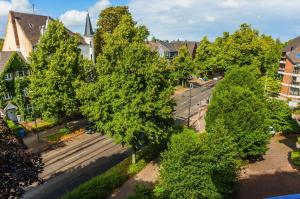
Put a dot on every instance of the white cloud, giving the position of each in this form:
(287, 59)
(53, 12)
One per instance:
(192, 19)
(16, 5)
(75, 19)
(210, 18)
(230, 3)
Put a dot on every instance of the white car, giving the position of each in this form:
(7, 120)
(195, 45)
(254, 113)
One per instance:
(272, 131)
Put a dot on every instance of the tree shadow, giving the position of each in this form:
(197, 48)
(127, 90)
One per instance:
(268, 185)
(290, 140)
(63, 182)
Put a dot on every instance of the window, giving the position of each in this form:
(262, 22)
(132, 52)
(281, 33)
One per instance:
(7, 96)
(294, 91)
(21, 73)
(296, 69)
(30, 25)
(29, 108)
(24, 92)
(8, 77)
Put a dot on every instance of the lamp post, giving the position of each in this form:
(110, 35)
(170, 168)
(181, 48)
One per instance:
(190, 102)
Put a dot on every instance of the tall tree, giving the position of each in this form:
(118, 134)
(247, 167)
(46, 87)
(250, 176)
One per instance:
(130, 100)
(1, 43)
(199, 166)
(108, 20)
(18, 169)
(183, 65)
(239, 101)
(55, 65)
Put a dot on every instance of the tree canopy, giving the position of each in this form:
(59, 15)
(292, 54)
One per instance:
(1, 43)
(18, 169)
(131, 97)
(244, 47)
(182, 65)
(108, 20)
(240, 102)
(55, 65)
(199, 166)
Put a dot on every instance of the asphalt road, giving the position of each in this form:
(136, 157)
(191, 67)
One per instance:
(69, 166)
(199, 97)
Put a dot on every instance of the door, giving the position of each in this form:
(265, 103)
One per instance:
(11, 114)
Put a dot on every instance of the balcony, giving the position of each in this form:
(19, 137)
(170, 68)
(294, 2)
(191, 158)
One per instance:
(281, 69)
(282, 62)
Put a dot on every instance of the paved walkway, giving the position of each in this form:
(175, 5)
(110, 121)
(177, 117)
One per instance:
(273, 176)
(148, 176)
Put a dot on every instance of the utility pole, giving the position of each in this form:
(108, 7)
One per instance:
(33, 8)
(190, 102)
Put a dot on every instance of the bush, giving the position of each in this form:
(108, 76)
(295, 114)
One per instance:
(295, 156)
(298, 140)
(135, 168)
(64, 130)
(142, 192)
(13, 127)
(199, 166)
(103, 185)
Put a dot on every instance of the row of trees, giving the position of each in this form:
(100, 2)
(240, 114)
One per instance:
(1, 43)
(245, 47)
(238, 121)
(127, 94)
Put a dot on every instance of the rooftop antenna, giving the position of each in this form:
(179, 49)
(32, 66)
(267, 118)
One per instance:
(33, 8)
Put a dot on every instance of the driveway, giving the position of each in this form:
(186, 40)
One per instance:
(273, 176)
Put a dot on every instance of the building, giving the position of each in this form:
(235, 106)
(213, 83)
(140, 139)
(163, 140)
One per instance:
(289, 71)
(23, 32)
(170, 50)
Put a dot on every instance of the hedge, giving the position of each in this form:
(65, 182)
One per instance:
(103, 185)
(295, 156)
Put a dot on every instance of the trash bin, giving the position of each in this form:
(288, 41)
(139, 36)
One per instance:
(22, 133)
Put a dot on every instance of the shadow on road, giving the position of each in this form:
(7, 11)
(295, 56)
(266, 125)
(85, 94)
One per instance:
(70, 179)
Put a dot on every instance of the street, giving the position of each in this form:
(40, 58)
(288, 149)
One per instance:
(199, 97)
(78, 161)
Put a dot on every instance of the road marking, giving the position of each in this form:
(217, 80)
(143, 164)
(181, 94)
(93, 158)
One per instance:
(66, 160)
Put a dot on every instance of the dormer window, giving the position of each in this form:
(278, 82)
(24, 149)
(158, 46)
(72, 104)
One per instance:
(8, 77)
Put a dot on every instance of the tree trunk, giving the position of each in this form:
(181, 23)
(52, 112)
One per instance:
(133, 155)
(182, 83)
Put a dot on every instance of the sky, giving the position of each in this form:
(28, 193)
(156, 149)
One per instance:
(174, 19)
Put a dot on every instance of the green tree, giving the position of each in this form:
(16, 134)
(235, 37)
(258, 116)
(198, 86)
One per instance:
(280, 116)
(199, 166)
(183, 66)
(239, 101)
(1, 43)
(108, 20)
(130, 99)
(55, 65)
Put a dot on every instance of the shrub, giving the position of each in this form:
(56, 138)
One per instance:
(295, 156)
(103, 185)
(135, 168)
(64, 130)
(13, 127)
(142, 192)
(199, 166)
(298, 140)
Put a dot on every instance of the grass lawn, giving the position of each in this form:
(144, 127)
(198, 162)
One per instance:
(295, 156)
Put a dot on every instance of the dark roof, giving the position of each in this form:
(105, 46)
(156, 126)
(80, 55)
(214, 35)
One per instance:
(292, 44)
(294, 55)
(191, 45)
(4, 57)
(32, 24)
(88, 31)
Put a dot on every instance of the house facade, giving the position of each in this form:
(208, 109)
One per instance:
(171, 49)
(289, 71)
(23, 32)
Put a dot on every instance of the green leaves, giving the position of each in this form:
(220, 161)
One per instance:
(130, 97)
(239, 101)
(245, 47)
(55, 66)
(199, 166)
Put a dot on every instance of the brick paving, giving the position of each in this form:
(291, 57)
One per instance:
(273, 176)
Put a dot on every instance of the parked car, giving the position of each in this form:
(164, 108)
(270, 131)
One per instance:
(90, 129)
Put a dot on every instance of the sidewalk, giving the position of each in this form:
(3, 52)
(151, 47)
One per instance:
(35, 146)
(148, 176)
